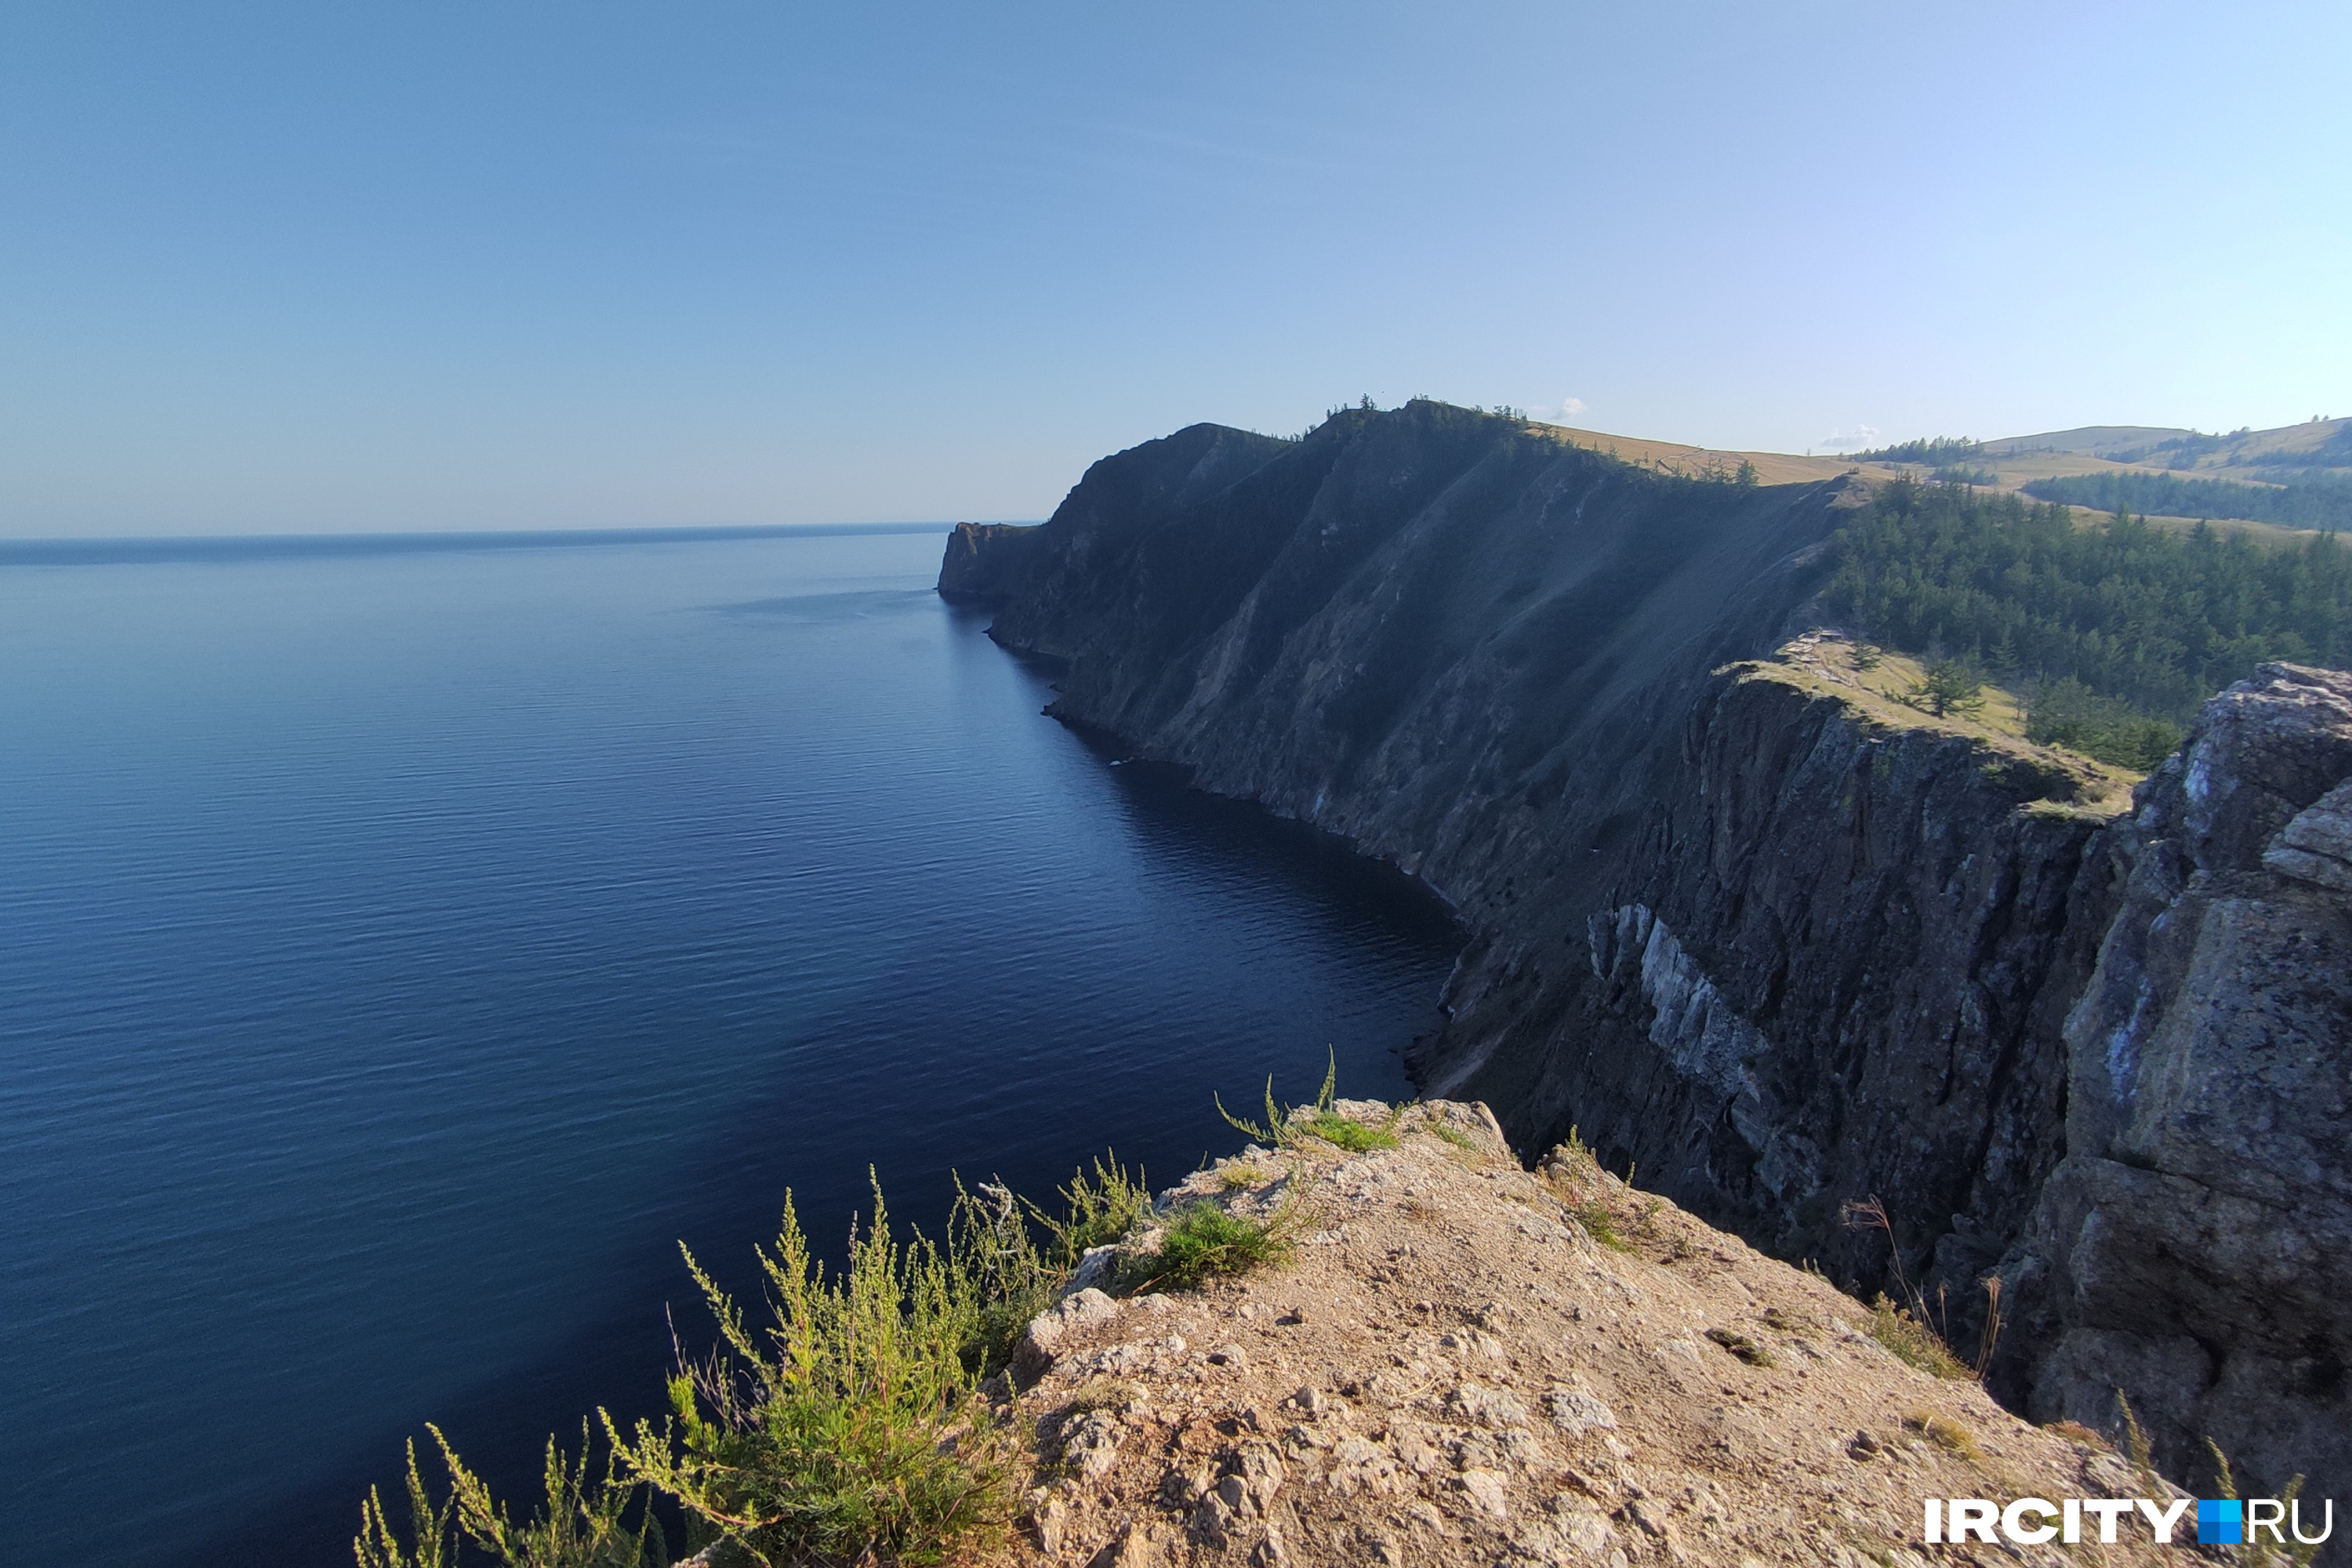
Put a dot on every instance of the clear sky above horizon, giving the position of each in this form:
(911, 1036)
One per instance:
(271, 268)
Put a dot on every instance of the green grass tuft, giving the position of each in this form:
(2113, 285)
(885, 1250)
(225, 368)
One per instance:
(1203, 1242)
(1283, 1128)
(1354, 1136)
(1601, 1224)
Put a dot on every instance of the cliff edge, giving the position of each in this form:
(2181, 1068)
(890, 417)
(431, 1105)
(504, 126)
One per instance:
(1468, 1363)
(1774, 946)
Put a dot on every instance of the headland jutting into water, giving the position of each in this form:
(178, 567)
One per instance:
(1771, 941)
(2016, 1010)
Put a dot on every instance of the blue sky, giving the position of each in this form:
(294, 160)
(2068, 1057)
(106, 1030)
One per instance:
(512, 265)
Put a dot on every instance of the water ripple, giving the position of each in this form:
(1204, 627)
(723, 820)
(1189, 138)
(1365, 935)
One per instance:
(402, 950)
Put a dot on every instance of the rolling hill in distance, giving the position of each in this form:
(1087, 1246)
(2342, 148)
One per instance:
(2245, 481)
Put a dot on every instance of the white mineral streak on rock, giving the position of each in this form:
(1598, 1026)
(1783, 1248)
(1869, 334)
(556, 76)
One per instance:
(1701, 1033)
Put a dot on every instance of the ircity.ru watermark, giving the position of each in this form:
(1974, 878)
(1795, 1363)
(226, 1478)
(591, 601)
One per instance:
(2032, 1521)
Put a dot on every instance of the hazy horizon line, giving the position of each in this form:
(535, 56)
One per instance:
(139, 547)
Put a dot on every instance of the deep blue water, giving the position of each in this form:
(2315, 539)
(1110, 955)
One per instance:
(401, 950)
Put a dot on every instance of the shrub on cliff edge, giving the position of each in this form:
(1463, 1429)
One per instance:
(848, 1429)
(852, 1427)
(584, 1522)
(1010, 1277)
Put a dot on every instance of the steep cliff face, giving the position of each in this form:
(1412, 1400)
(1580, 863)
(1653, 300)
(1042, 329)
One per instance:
(1848, 948)
(1770, 949)
(2195, 1246)
(985, 560)
(1768, 953)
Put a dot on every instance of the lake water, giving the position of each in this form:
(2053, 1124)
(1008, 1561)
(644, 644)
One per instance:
(402, 950)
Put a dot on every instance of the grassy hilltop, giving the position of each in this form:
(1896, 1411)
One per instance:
(2274, 484)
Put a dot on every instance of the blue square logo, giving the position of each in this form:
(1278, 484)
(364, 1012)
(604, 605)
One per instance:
(2222, 1523)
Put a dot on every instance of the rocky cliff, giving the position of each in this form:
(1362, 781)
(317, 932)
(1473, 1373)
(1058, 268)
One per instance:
(1770, 946)
(984, 561)
(2194, 1246)
(1468, 1364)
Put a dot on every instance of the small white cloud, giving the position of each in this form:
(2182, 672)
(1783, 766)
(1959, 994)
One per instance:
(1860, 437)
(1570, 407)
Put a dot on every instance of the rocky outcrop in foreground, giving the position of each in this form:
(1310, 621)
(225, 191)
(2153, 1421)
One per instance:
(1466, 1363)
(1770, 946)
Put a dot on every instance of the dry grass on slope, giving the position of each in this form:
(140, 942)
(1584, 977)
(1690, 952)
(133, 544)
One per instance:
(1699, 462)
(1875, 685)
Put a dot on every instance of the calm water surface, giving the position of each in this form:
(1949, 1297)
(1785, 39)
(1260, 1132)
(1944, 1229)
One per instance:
(400, 952)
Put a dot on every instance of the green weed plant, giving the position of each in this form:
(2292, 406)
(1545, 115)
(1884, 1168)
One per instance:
(993, 1244)
(850, 1427)
(1913, 1343)
(584, 1522)
(2256, 1553)
(1589, 1210)
(1283, 1128)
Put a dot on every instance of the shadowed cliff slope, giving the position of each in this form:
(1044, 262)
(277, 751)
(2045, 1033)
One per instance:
(1492, 658)
(1769, 950)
